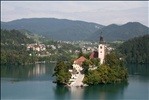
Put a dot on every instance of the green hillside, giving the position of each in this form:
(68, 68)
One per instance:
(13, 47)
(14, 37)
(135, 50)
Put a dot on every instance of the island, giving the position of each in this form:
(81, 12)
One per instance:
(98, 68)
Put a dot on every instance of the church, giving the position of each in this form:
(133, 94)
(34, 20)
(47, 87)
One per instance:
(101, 52)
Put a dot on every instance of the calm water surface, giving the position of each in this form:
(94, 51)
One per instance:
(34, 82)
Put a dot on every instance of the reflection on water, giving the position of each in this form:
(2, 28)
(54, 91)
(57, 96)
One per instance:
(97, 92)
(61, 92)
(37, 71)
(105, 92)
(76, 92)
(138, 69)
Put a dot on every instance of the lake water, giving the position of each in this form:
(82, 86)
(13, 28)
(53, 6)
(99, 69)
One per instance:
(34, 82)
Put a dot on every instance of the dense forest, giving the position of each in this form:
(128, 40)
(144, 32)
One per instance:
(135, 50)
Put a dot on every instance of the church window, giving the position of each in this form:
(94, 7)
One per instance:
(100, 47)
(100, 51)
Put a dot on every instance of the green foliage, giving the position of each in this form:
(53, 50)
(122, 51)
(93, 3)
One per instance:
(80, 53)
(95, 61)
(14, 37)
(87, 55)
(61, 72)
(105, 75)
(110, 72)
(70, 63)
(135, 50)
(13, 47)
(85, 65)
(112, 60)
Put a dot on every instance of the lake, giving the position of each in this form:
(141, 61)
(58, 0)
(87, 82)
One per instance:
(34, 82)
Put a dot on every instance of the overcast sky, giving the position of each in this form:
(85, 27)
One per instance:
(101, 12)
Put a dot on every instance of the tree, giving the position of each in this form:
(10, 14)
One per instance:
(86, 65)
(135, 50)
(112, 60)
(110, 72)
(105, 75)
(61, 72)
(80, 53)
(95, 61)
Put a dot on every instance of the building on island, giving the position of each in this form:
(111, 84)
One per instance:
(101, 50)
(94, 54)
(101, 53)
(76, 75)
(78, 63)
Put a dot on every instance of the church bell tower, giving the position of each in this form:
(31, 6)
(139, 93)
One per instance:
(101, 50)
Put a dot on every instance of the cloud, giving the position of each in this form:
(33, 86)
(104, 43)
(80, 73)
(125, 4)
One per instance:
(102, 12)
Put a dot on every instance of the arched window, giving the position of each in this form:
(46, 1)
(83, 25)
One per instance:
(100, 47)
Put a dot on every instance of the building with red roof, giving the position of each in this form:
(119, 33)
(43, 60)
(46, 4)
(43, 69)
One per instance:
(80, 60)
(78, 63)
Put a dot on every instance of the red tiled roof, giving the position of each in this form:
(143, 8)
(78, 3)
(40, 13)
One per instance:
(80, 60)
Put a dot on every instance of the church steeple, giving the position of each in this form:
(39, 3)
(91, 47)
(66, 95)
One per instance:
(101, 41)
(101, 49)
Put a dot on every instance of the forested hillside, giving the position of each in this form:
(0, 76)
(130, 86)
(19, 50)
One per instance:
(14, 37)
(13, 47)
(135, 50)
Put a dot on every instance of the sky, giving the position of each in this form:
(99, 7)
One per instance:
(101, 12)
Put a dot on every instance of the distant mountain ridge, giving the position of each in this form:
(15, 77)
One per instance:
(70, 30)
(59, 29)
(120, 32)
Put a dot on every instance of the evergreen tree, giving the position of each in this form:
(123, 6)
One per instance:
(61, 72)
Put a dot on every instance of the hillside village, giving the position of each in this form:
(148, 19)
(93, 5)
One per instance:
(50, 49)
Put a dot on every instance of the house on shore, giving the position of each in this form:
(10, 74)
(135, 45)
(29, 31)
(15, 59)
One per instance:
(78, 63)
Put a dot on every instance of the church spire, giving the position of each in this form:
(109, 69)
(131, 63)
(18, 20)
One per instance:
(101, 49)
(101, 39)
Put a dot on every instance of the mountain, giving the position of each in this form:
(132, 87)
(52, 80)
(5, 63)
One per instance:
(120, 32)
(70, 30)
(58, 29)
